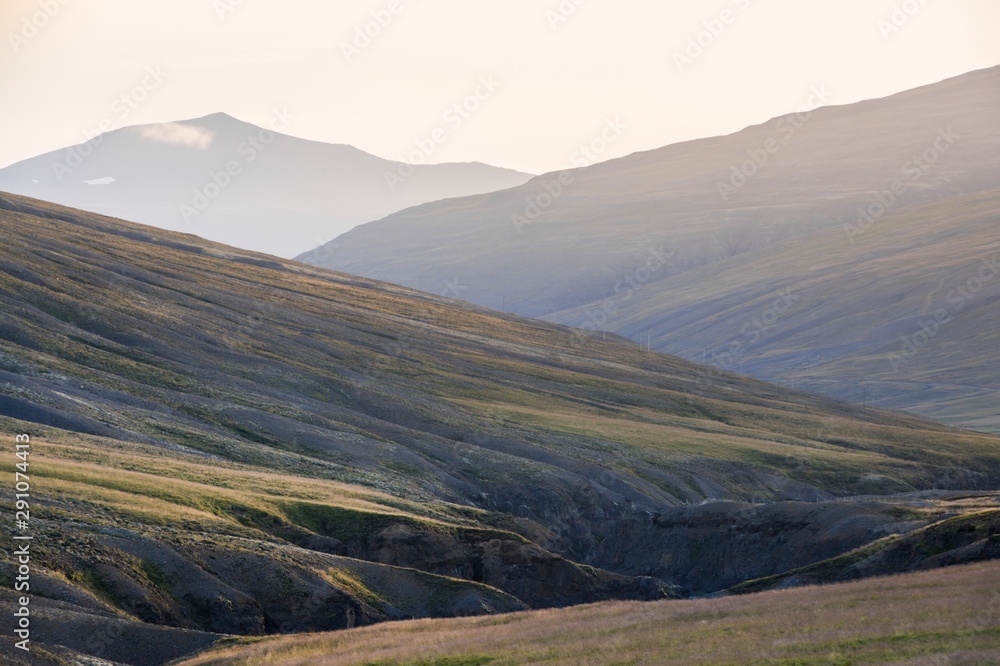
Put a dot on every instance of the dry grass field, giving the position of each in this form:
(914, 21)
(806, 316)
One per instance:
(946, 617)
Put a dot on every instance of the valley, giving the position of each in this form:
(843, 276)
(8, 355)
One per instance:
(497, 334)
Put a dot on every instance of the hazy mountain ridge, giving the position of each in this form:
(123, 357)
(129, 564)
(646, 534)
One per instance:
(234, 182)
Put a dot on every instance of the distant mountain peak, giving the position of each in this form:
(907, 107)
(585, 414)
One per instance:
(220, 116)
(241, 183)
(219, 121)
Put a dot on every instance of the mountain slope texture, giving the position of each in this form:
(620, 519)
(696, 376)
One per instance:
(849, 250)
(225, 443)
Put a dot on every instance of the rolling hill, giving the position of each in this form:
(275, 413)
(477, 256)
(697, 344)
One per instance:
(883, 206)
(226, 443)
(236, 183)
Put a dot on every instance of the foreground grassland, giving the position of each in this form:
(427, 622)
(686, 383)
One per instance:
(88, 489)
(950, 616)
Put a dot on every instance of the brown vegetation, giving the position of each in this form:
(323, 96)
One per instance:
(949, 616)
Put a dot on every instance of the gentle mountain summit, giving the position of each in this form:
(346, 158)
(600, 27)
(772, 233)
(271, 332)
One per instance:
(233, 182)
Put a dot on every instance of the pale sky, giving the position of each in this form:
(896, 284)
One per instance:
(558, 83)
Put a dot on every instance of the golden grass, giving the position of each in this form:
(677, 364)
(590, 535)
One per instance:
(922, 618)
(138, 482)
(667, 442)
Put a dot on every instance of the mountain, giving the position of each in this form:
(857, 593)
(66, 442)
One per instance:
(227, 443)
(240, 184)
(905, 319)
(831, 216)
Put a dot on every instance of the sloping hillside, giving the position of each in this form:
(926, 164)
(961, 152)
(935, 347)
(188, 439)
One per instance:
(904, 318)
(613, 214)
(231, 443)
(856, 209)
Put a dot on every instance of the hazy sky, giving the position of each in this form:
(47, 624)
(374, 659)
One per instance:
(555, 83)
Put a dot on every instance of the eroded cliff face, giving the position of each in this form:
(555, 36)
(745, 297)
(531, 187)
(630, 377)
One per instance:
(682, 550)
(712, 547)
(971, 536)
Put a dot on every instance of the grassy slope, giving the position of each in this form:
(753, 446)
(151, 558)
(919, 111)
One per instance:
(307, 370)
(949, 616)
(87, 488)
(853, 302)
